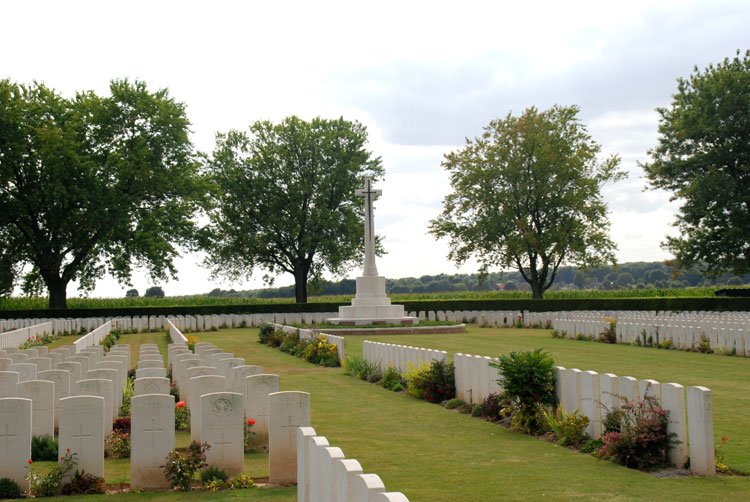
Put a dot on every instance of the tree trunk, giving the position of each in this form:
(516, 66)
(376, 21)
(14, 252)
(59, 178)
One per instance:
(536, 290)
(58, 293)
(300, 285)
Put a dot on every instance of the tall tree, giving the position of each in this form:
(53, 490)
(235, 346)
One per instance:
(527, 195)
(285, 199)
(94, 184)
(703, 157)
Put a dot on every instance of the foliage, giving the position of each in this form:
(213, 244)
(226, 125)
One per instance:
(249, 435)
(241, 481)
(192, 340)
(212, 473)
(132, 293)
(454, 403)
(181, 416)
(317, 351)
(180, 467)
(361, 368)
(83, 483)
(570, 429)
(128, 391)
(95, 184)
(285, 199)
(264, 333)
(43, 448)
(119, 443)
(529, 381)
(640, 440)
(392, 380)
(702, 158)
(154, 292)
(501, 212)
(121, 424)
(720, 457)
(320, 351)
(174, 390)
(34, 341)
(591, 445)
(434, 382)
(494, 405)
(9, 489)
(51, 483)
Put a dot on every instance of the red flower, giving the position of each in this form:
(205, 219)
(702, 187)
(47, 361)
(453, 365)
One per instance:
(30, 460)
(250, 421)
(181, 404)
(68, 450)
(62, 458)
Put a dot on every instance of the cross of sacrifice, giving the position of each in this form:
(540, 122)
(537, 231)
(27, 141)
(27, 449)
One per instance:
(5, 437)
(368, 193)
(80, 439)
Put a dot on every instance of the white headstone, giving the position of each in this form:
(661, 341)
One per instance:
(222, 426)
(61, 379)
(42, 395)
(152, 438)
(346, 470)
(15, 439)
(240, 374)
(303, 463)
(199, 386)
(99, 387)
(701, 431)
(257, 389)
(82, 431)
(673, 400)
(26, 371)
(150, 373)
(151, 385)
(367, 487)
(8, 383)
(73, 367)
(287, 411)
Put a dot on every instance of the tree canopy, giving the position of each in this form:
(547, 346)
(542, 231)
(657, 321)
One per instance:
(527, 195)
(93, 184)
(285, 199)
(703, 157)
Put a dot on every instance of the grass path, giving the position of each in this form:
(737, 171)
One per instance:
(432, 454)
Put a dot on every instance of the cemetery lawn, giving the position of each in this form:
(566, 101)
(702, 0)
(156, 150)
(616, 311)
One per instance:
(433, 454)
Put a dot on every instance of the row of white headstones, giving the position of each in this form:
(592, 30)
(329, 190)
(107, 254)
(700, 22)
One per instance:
(589, 392)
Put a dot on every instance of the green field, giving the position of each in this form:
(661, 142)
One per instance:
(20, 303)
(432, 454)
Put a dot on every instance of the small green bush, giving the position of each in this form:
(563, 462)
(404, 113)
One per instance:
(43, 448)
(50, 483)
(454, 403)
(392, 379)
(9, 489)
(434, 383)
(529, 382)
(570, 430)
(494, 404)
(241, 481)
(360, 368)
(591, 445)
(476, 410)
(181, 466)
(211, 473)
(264, 333)
(83, 483)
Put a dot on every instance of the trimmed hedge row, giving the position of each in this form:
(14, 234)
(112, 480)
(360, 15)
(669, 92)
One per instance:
(658, 304)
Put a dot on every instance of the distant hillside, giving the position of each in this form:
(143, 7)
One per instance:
(639, 275)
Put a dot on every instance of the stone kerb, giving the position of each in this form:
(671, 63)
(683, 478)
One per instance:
(222, 426)
(287, 411)
(15, 438)
(152, 438)
(82, 431)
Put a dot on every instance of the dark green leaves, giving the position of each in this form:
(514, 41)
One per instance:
(703, 157)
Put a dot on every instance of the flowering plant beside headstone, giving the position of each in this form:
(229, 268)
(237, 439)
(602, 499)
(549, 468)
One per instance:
(249, 435)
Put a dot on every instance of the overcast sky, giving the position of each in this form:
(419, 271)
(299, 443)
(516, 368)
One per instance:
(422, 76)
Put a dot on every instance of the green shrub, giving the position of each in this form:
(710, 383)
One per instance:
(476, 410)
(181, 416)
(119, 443)
(180, 467)
(50, 484)
(392, 379)
(529, 382)
(83, 483)
(434, 383)
(360, 368)
(211, 473)
(264, 333)
(9, 489)
(494, 405)
(642, 440)
(591, 445)
(570, 430)
(43, 448)
(289, 343)
(454, 403)
(241, 481)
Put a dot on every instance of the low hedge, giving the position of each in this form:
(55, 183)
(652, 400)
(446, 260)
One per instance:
(658, 304)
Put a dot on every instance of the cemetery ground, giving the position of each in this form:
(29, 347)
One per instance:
(434, 454)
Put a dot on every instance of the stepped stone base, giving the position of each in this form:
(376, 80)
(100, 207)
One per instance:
(371, 306)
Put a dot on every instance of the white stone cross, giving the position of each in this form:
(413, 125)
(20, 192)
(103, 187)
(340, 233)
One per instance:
(222, 443)
(293, 427)
(80, 439)
(368, 193)
(153, 429)
(5, 437)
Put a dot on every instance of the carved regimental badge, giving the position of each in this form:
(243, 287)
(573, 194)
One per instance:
(222, 407)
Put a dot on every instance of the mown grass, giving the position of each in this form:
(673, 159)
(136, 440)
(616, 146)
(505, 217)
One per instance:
(23, 303)
(430, 453)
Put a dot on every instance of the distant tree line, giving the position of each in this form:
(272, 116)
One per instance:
(638, 275)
